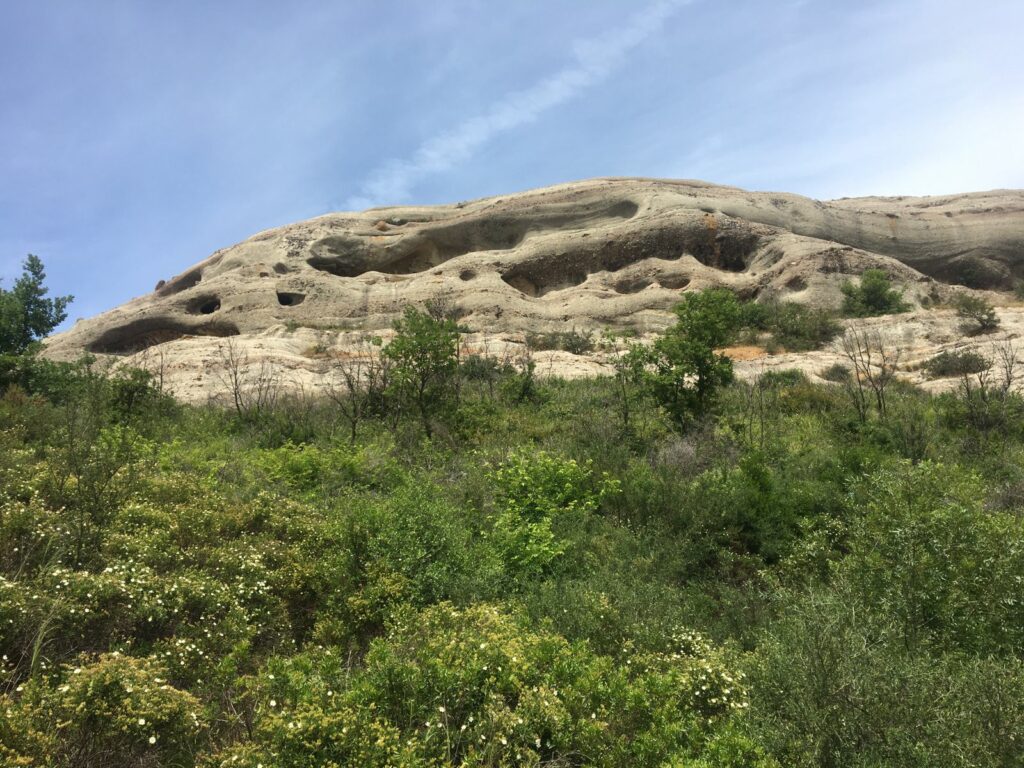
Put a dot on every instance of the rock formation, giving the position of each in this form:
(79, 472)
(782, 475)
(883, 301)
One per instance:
(591, 254)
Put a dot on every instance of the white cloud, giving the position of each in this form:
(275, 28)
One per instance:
(591, 62)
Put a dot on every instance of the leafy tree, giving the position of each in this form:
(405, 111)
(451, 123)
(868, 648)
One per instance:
(26, 315)
(425, 359)
(874, 296)
(682, 369)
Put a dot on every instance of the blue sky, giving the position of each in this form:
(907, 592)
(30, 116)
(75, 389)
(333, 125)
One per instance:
(138, 136)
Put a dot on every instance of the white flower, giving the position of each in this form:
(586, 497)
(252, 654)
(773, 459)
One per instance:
(152, 739)
(142, 721)
(273, 703)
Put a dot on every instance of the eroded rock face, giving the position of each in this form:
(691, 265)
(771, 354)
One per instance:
(598, 253)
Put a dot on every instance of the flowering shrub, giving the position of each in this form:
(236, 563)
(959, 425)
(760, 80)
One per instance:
(474, 687)
(114, 710)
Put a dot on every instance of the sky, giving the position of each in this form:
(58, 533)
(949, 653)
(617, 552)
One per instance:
(139, 136)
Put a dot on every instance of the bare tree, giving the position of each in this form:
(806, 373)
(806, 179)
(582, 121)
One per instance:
(760, 410)
(253, 389)
(152, 361)
(986, 395)
(874, 369)
(358, 384)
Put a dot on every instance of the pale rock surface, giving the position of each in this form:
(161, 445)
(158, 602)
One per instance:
(597, 254)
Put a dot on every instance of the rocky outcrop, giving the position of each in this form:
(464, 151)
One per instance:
(598, 253)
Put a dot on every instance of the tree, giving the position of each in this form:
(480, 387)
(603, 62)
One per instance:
(254, 389)
(875, 364)
(25, 314)
(358, 385)
(974, 309)
(425, 363)
(681, 369)
(874, 296)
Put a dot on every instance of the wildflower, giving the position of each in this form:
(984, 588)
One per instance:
(152, 739)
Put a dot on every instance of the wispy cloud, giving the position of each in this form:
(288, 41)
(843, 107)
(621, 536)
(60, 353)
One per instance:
(592, 60)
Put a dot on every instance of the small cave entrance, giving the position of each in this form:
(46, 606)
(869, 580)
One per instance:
(722, 244)
(203, 305)
(288, 299)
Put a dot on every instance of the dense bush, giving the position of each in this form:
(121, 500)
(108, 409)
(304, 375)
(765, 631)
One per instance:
(795, 327)
(957, 362)
(874, 295)
(115, 710)
(477, 687)
(537, 494)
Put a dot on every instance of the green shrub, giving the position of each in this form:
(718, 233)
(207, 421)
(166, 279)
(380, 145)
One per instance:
(956, 362)
(477, 687)
(829, 688)
(785, 377)
(573, 341)
(424, 354)
(836, 373)
(916, 553)
(114, 710)
(796, 327)
(413, 548)
(535, 492)
(978, 315)
(874, 295)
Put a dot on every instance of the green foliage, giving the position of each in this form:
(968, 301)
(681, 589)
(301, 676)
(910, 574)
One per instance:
(922, 622)
(874, 295)
(576, 342)
(279, 591)
(413, 549)
(978, 314)
(535, 493)
(682, 369)
(957, 362)
(944, 569)
(831, 689)
(836, 373)
(26, 315)
(114, 710)
(795, 327)
(476, 687)
(425, 358)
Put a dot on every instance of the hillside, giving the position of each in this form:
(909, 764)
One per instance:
(591, 255)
